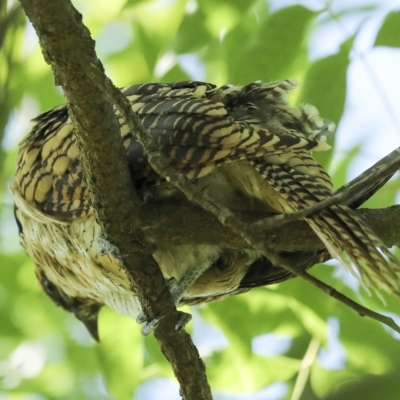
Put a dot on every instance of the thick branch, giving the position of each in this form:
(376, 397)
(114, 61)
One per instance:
(69, 49)
(198, 226)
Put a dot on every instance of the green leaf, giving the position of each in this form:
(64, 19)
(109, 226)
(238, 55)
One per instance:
(325, 83)
(120, 353)
(324, 86)
(264, 310)
(389, 34)
(325, 382)
(339, 176)
(192, 34)
(240, 5)
(238, 373)
(272, 49)
(370, 388)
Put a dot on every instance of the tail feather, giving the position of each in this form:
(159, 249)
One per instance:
(362, 248)
(382, 263)
(339, 228)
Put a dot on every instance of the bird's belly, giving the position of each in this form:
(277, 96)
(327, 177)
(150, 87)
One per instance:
(68, 254)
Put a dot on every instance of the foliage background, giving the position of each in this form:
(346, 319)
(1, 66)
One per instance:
(287, 341)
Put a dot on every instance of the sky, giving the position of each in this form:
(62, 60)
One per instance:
(371, 118)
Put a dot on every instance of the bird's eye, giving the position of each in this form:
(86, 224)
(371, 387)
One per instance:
(49, 287)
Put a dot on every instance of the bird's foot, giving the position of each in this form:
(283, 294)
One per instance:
(107, 247)
(149, 325)
(184, 319)
(177, 290)
(146, 194)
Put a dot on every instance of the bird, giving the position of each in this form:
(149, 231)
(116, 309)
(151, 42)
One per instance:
(260, 273)
(245, 147)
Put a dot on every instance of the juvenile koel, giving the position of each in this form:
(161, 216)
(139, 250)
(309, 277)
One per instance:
(244, 146)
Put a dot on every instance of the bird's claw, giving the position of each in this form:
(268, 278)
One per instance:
(141, 318)
(149, 325)
(107, 247)
(184, 319)
(174, 290)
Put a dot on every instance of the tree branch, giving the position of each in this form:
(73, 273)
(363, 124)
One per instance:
(198, 226)
(387, 166)
(69, 49)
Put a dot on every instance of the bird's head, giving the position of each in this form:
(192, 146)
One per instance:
(86, 310)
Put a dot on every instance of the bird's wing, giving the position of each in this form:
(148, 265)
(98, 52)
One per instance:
(196, 125)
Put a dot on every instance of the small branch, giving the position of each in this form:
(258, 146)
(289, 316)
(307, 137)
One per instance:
(305, 367)
(330, 291)
(387, 166)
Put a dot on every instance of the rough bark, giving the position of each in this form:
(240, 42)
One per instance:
(200, 227)
(68, 48)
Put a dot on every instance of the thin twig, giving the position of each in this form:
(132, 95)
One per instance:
(387, 166)
(305, 366)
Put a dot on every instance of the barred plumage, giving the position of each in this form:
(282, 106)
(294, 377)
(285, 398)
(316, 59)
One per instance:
(244, 146)
(338, 227)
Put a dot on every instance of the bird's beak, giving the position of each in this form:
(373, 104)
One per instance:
(89, 319)
(92, 327)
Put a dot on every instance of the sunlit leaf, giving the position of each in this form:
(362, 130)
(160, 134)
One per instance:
(121, 354)
(325, 381)
(325, 87)
(389, 34)
(275, 45)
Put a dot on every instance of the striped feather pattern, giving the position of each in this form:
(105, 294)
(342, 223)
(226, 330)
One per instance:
(243, 145)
